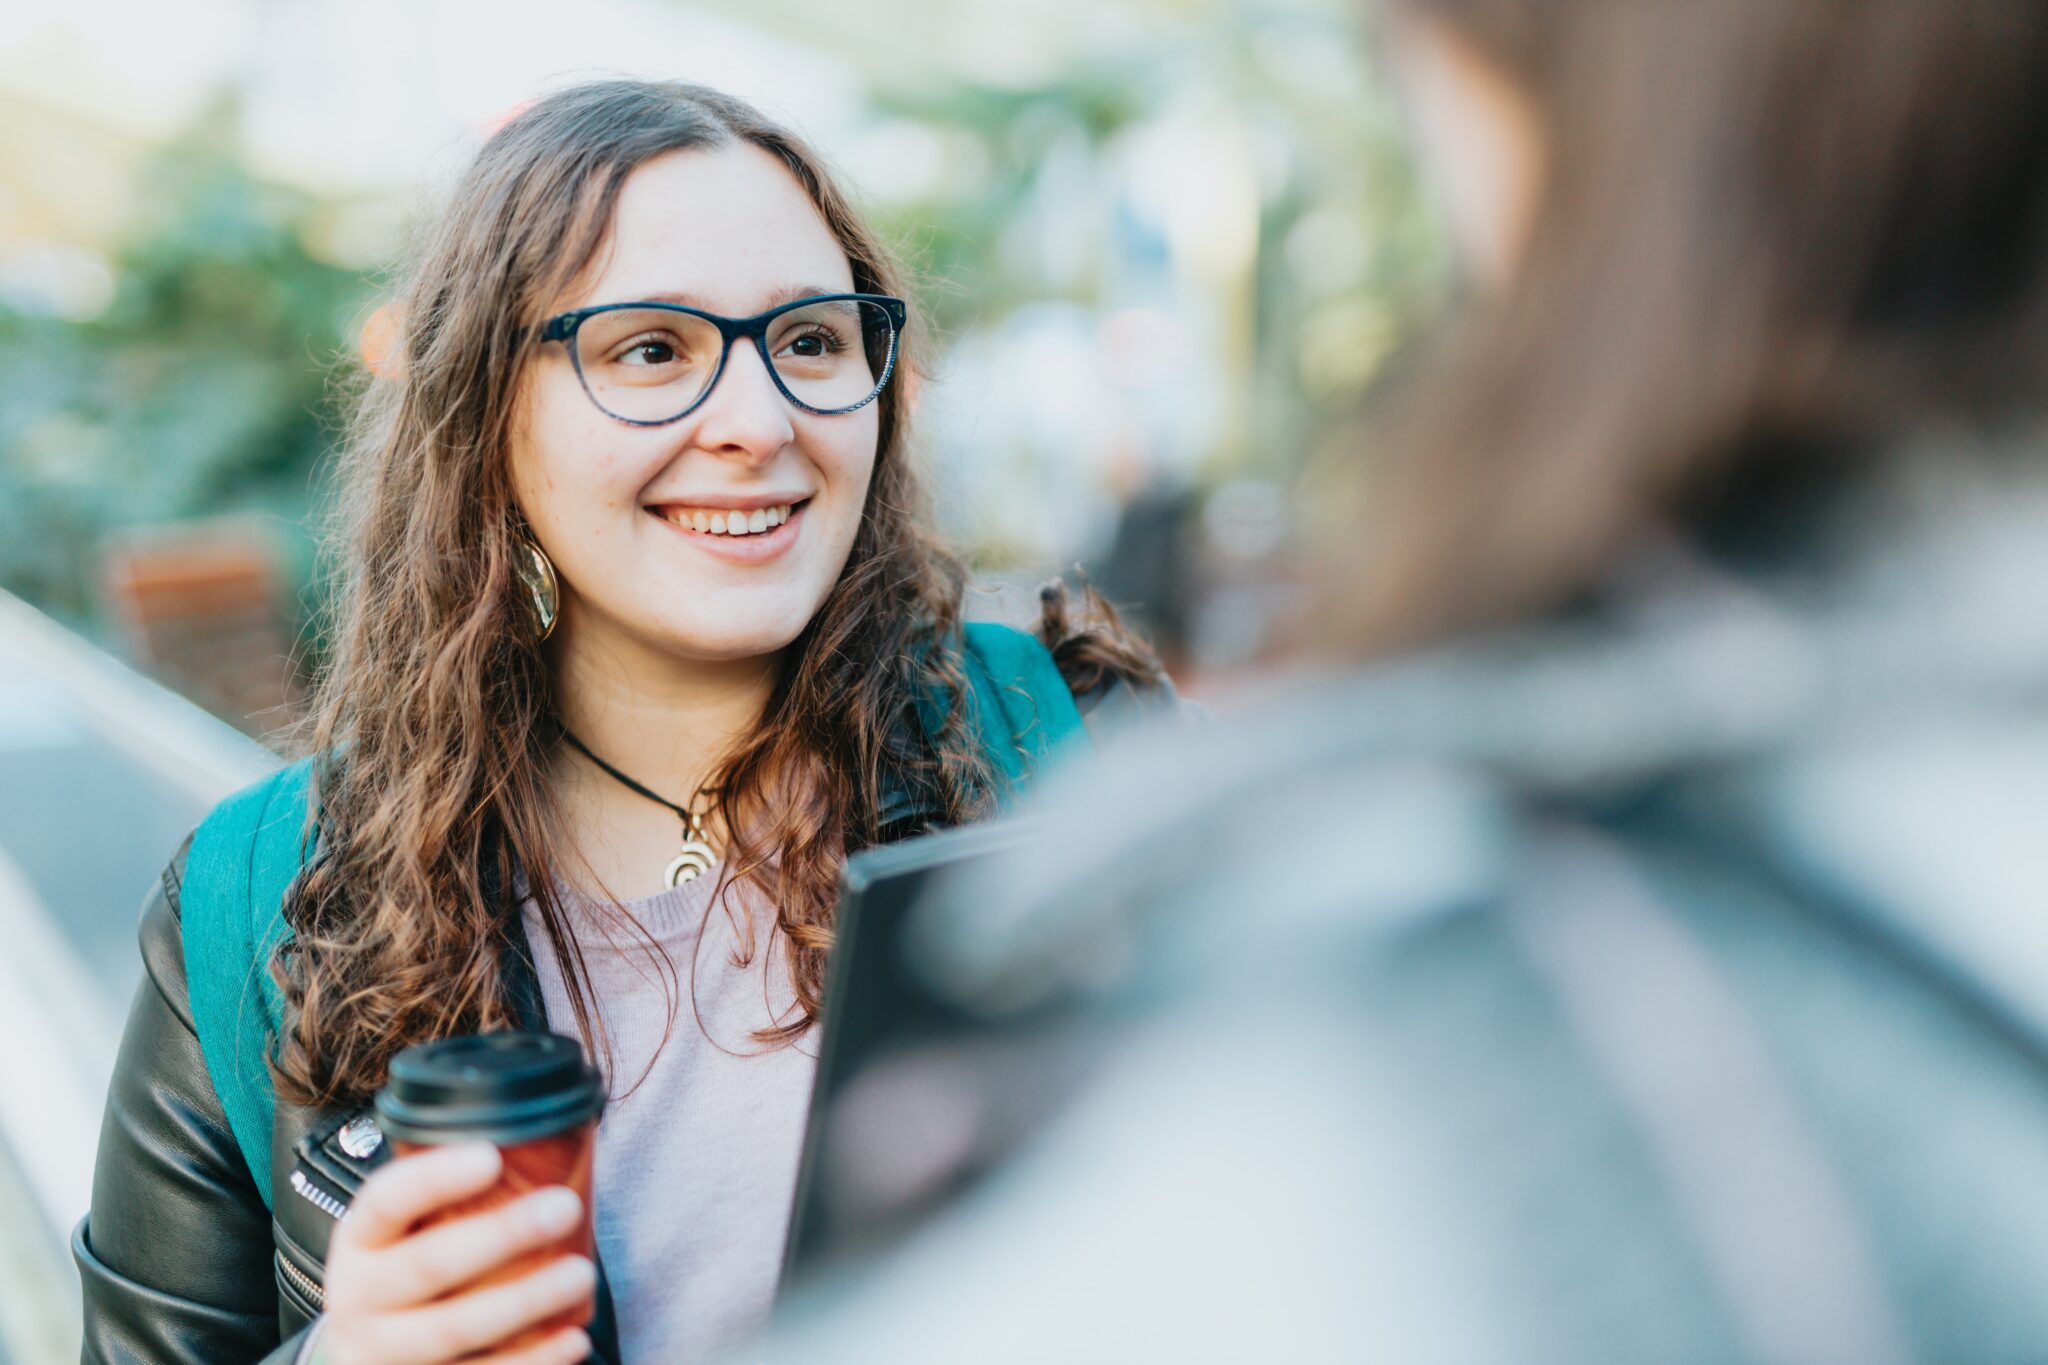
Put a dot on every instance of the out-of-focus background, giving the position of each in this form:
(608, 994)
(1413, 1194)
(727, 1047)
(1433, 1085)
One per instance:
(1160, 240)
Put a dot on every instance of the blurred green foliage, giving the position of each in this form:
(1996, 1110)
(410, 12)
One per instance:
(201, 390)
(1351, 260)
(204, 388)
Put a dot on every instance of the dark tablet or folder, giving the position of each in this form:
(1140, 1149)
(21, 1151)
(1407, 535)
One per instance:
(891, 1132)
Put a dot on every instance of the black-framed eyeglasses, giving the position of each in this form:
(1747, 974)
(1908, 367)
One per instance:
(649, 364)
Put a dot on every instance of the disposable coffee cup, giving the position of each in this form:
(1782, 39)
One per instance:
(532, 1095)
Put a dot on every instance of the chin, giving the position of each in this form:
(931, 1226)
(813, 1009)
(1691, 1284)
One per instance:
(735, 635)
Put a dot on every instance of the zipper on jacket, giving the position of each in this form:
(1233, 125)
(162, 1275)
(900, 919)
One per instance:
(303, 1282)
(317, 1197)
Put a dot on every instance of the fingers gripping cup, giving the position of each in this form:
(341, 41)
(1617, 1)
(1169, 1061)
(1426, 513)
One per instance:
(532, 1095)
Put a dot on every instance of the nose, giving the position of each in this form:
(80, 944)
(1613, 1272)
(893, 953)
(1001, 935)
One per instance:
(745, 415)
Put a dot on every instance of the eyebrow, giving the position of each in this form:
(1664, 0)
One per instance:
(787, 294)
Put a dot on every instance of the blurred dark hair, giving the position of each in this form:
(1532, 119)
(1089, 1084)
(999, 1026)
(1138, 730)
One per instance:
(1759, 219)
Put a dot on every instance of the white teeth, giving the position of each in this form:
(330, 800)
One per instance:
(735, 523)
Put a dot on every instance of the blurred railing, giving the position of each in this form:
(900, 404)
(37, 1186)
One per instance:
(101, 772)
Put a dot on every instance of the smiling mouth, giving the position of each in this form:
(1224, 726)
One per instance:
(721, 521)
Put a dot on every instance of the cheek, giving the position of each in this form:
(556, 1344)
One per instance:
(569, 466)
(848, 460)
(537, 443)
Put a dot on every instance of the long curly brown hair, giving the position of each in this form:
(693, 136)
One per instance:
(434, 725)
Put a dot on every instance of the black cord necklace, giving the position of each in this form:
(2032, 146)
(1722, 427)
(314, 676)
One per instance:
(697, 856)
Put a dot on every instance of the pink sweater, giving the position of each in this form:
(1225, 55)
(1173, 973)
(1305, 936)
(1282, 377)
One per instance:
(696, 1166)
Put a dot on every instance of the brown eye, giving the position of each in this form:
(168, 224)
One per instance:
(650, 352)
(816, 343)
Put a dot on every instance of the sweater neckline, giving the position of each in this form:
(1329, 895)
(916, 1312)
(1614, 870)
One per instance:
(675, 912)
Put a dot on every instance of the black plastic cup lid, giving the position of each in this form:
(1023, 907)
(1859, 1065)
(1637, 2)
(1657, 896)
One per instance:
(495, 1087)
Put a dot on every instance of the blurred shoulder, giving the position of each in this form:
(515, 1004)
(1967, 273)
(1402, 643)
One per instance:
(1301, 806)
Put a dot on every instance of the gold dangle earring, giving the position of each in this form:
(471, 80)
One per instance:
(543, 590)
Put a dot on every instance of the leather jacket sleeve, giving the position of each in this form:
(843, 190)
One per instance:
(175, 1258)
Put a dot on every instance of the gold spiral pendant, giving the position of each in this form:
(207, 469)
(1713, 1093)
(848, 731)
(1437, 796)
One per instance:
(693, 860)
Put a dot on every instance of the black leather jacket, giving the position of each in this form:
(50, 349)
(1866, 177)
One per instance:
(181, 1261)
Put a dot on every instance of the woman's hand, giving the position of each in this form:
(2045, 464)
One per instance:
(396, 1296)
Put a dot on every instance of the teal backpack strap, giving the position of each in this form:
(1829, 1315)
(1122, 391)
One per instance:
(243, 858)
(1018, 703)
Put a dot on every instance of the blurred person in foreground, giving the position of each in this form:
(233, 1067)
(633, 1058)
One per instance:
(1635, 954)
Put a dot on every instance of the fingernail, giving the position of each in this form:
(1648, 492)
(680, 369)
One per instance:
(575, 1272)
(477, 1157)
(556, 1210)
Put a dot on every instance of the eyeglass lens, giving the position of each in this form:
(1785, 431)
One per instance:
(653, 364)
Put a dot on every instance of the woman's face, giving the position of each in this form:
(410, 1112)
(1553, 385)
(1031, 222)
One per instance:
(616, 507)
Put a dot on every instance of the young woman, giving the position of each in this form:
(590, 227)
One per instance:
(641, 634)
